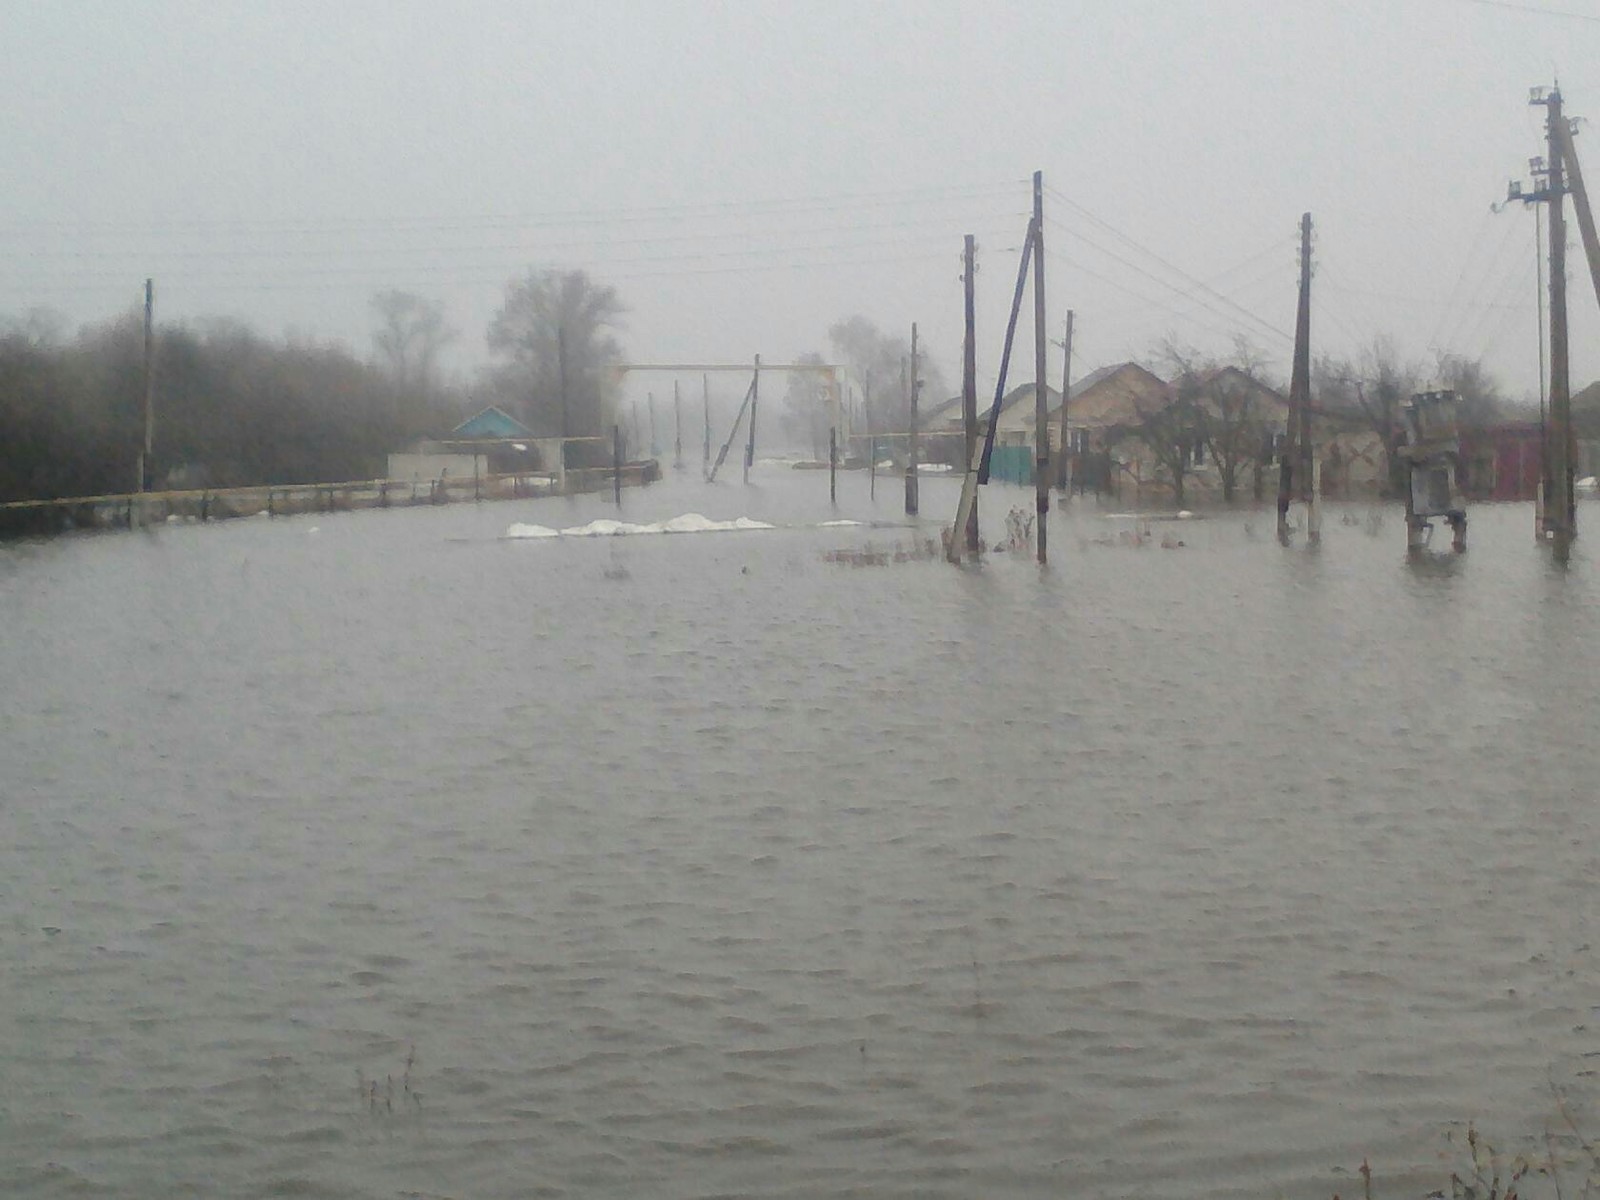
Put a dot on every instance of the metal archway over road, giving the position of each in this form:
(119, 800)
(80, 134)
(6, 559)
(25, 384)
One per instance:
(833, 371)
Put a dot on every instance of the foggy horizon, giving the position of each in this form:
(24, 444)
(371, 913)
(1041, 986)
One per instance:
(745, 176)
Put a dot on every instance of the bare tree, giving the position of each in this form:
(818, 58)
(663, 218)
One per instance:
(556, 331)
(875, 359)
(1371, 390)
(1226, 401)
(1171, 432)
(411, 332)
(1481, 399)
(805, 401)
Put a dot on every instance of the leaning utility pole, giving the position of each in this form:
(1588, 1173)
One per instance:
(705, 450)
(1295, 474)
(149, 384)
(911, 451)
(1041, 405)
(1580, 203)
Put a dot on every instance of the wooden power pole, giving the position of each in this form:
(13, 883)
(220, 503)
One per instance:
(677, 428)
(1063, 481)
(1295, 472)
(1041, 405)
(915, 386)
(1560, 509)
(149, 385)
(969, 387)
(755, 397)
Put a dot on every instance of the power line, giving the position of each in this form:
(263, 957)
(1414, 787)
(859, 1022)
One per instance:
(1197, 284)
(1239, 310)
(1535, 10)
(768, 207)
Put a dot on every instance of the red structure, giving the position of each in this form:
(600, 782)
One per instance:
(1502, 462)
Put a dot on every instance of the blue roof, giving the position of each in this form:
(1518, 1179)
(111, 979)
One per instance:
(492, 422)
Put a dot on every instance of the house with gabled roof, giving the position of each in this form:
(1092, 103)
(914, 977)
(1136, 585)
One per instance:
(491, 442)
(491, 424)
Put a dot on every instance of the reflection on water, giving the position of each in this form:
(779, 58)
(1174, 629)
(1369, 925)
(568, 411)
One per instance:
(383, 854)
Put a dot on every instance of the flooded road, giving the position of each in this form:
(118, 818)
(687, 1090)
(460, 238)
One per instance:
(383, 854)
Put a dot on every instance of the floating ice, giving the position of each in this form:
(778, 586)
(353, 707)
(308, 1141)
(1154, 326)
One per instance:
(520, 530)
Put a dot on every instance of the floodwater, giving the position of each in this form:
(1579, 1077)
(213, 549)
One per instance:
(383, 855)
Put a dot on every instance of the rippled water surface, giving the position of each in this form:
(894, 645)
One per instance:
(383, 855)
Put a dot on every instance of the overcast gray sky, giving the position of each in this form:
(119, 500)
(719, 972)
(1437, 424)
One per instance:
(747, 173)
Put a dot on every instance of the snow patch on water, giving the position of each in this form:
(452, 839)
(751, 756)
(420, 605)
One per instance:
(606, 527)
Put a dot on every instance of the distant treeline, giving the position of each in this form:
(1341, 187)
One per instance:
(231, 408)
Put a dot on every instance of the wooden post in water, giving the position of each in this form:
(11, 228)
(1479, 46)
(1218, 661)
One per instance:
(616, 462)
(1041, 417)
(833, 464)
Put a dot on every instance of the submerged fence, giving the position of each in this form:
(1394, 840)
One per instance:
(128, 510)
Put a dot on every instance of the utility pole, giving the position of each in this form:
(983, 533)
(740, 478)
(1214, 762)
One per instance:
(677, 428)
(969, 386)
(149, 384)
(1041, 407)
(1544, 434)
(655, 444)
(1580, 203)
(1294, 473)
(1063, 480)
(616, 462)
(911, 452)
(755, 396)
(705, 454)
(1561, 513)
(1559, 524)
(833, 437)
(561, 372)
